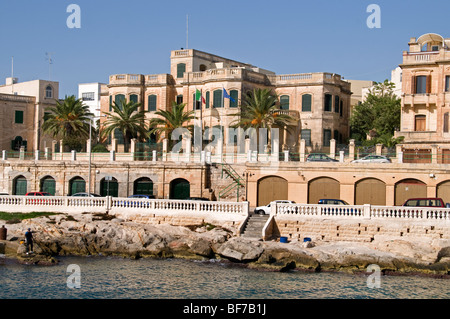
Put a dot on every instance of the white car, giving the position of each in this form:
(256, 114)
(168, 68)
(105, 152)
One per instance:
(265, 210)
(373, 159)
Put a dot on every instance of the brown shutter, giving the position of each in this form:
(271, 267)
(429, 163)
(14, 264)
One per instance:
(413, 85)
(428, 83)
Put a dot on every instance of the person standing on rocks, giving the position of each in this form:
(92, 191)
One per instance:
(29, 241)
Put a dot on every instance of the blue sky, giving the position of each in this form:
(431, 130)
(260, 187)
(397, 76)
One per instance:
(136, 36)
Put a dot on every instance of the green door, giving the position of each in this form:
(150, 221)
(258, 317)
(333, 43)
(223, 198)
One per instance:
(109, 188)
(143, 186)
(77, 185)
(180, 189)
(20, 186)
(48, 185)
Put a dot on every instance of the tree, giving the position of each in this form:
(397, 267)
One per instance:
(170, 120)
(378, 115)
(69, 121)
(260, 109)
(128, 119)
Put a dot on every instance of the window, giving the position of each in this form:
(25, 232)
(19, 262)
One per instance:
(217, 98)
(234, 95)
(445, 122)
(152, 103)
(326, 137)
(196, 105)
(341, 108)
(48, 92)
(306, 102)
(181, 68)
(306, 135)
(179, 99)
(336, 135)
(420, 123)
(133, 98)
(18, 118)
(118, 99)
(88, 96)
(284, 102)
(447, 83)
(46, 116)
(328, 103)
(421, 84)
(207, 100)
(336, 104)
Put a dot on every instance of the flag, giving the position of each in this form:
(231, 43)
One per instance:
(225, 95)
(198, 96)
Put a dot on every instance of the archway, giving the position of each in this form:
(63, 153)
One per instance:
(409, 188)
(143, 186)
(180, 189)
(271, 188)
(48, 185)
(322, 188)
(77, 185)
(109, 187)
(443, 191)
(19, 185)
(370, 191)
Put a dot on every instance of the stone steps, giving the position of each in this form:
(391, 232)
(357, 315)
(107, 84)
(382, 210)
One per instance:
(254, 226)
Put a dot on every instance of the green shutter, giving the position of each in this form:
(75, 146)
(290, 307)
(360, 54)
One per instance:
(143, 186)
(306, 103)
(110, 103)
(306, 135)
(181, 68)
(134, 98)
(326, 137)
(180, 189)
(217, 98)
(152, 102)
(284, 102)
(48, 185)
(19, 117)
(109, 188)
(118, 99)
(207, 100)
(234, 95)
(77, 185)
(20, 186)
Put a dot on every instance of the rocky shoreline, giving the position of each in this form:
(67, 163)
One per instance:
(96, 234)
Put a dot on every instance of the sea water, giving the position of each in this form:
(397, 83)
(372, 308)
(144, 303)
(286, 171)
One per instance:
(148, 278)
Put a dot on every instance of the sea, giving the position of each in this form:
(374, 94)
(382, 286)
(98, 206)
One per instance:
(104, 277)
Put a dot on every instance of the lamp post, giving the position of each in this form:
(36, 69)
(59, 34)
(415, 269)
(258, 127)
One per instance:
(246, 174)
(90, 151)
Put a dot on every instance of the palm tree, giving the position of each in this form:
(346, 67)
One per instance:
(127, 119)
(260, 110)
(69, 121)
(171, 120)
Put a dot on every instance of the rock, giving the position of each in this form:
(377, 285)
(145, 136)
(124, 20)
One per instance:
(283, 259)
(240, 249)
(444, 252)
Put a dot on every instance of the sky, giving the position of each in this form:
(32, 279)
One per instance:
(136, 36)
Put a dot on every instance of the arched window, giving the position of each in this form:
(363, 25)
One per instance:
(109, 187)
(143, 186)
(134, 98)
(284, 102)
(202, 67)
(49, 92)
(77, 185)
(48, 185)
(20, 185)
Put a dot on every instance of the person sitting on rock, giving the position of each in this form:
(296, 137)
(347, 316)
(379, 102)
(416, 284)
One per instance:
(29, 241)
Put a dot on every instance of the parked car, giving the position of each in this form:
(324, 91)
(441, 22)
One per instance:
(332, 202)
(265, 210)
(320, 158)
(38, 194)
(373, 159)
(86, 195)
(127, 203)
(426, 202)
(142, 196)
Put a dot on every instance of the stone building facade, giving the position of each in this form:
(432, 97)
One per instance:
(320, 102)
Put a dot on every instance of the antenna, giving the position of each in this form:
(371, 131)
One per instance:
(187, 31)
(50, 62)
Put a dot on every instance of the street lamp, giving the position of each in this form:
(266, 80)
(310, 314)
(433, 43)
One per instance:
(247, 174)
(90, 151)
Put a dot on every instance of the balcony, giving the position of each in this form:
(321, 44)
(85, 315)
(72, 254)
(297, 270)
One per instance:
(422, 57)
(426, 98)
(294, 114)
(126, 79)
(304, 78)
(225, 74)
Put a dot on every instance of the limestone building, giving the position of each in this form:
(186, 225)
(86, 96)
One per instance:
(22, 111)
(320, 102)
(426, 99)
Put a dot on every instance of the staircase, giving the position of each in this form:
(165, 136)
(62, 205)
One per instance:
(254, 226)
(236, 183)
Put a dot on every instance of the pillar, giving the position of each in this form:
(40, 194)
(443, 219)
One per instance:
(351, 150)
(302, 150)
(379, 148)
(333, 148)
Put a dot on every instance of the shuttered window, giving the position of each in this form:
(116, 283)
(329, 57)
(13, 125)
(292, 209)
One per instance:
(118, 99)
(181, 68)
(328, 102)
(217, 99)
(306, 102)
(284, 102)
(18, 118)
(421, 84)
(336, 104)
(306, 135)
(152, 102)
(207, 100)
(133, 98)
(447, 83)
(234, 95)
(326, 137)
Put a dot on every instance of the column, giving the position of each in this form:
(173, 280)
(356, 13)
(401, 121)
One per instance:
(434, 154)
(302, 150)
(379, 148)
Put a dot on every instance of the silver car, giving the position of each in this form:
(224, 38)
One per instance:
(373, 159)
(265, 210)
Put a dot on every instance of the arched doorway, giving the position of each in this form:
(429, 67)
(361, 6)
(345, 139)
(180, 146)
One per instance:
(180, 189)
(323, 188)
(443, 191)
(409, 188)
(77, 185)
(19, 185)
(109, 187)
(143, 186)
(271, 188)
(48, 185)
(370, 191)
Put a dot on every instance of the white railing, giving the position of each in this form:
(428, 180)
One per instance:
(362, 211)
(63, 204)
